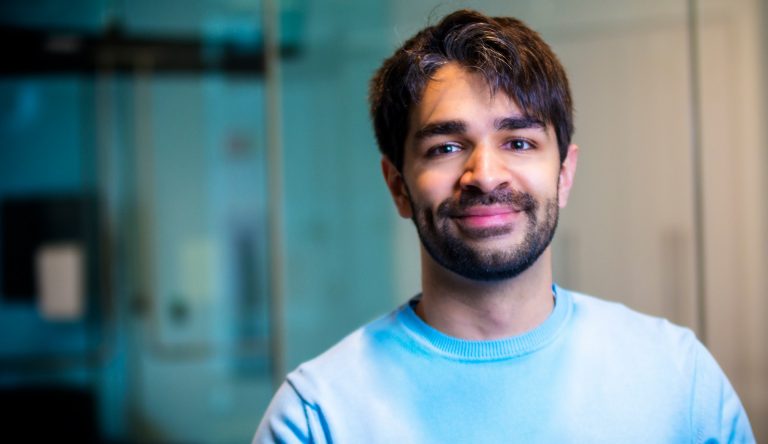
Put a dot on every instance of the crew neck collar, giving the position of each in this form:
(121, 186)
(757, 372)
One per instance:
(490, 350)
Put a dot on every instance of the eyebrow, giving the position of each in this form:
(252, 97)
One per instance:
(447, 127)
(518, 122)
(452, 127)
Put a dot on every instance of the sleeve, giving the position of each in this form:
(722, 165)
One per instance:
(718, 414)
(290, 420)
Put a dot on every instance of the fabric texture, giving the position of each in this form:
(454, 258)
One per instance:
(593, 372)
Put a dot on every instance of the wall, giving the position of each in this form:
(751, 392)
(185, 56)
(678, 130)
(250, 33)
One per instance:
(734, 171)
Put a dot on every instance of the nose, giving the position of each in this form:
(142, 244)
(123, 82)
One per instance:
(484, 170)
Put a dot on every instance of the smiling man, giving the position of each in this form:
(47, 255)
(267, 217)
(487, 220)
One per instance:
(473, 117)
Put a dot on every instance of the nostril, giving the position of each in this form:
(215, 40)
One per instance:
(483, 180)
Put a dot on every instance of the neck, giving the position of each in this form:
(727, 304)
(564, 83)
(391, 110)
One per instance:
(479, 310)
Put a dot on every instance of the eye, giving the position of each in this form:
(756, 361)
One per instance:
(443, 149)
(520, 145)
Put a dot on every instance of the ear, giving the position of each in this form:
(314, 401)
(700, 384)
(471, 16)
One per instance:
(397, 188)
(567, 172)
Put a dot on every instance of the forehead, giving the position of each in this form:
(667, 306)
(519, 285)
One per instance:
(454, 91)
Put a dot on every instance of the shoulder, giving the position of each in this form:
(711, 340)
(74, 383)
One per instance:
(604, 314)
(663, 360)
(329, 382)
(358, 344)
(618, 327)
(351, 361)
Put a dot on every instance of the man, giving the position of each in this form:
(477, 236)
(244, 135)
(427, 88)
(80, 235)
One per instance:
(473, 117)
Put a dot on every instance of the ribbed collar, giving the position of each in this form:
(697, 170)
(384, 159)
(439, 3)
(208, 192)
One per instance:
(493, 350)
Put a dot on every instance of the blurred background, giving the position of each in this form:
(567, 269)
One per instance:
(191, 202)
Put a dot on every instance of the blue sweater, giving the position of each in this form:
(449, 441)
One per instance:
(593, 372)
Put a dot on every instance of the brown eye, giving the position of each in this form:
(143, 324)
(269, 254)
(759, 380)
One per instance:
(520, 145)
(447, 148)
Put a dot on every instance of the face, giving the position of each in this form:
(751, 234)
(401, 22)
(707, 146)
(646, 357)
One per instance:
(482, 182)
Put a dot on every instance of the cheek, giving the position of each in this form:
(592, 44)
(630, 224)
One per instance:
(430, 188)
(539, 179)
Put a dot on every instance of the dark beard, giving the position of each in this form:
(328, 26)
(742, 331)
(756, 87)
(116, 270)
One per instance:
(453, 253)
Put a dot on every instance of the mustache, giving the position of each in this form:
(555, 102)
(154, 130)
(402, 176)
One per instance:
(517, 200)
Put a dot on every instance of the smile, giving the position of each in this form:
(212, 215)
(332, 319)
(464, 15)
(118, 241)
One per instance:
(486, 217)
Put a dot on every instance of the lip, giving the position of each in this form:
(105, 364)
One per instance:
(487, 217)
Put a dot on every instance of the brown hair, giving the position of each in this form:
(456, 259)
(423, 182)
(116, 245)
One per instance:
(508, 54)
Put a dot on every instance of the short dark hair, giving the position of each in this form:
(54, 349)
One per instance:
(507, 53)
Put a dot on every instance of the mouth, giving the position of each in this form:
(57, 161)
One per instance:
(484, 217)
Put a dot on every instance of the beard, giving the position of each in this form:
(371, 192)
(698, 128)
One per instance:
(446, 246)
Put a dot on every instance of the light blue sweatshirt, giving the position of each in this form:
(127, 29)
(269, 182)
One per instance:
(593, 372)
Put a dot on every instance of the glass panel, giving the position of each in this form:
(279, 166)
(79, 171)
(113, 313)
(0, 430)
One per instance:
(202, 259)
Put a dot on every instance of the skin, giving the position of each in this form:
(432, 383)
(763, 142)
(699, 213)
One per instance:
(442, 163)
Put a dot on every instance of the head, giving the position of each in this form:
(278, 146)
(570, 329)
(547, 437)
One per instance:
(474, 120)
(512, 58)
